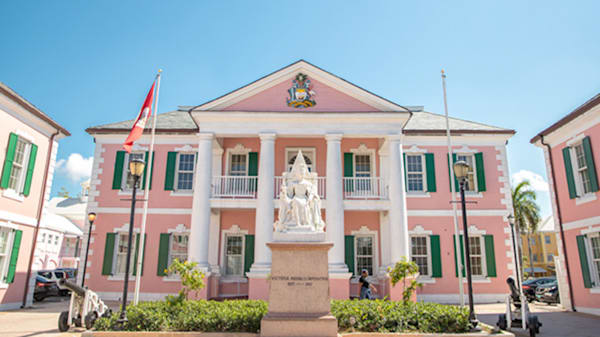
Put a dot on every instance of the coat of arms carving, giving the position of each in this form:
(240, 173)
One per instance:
(301, 93)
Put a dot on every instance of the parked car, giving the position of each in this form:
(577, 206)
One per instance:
(57, 274)
(547, 293)
(44, 288)
(530, 285)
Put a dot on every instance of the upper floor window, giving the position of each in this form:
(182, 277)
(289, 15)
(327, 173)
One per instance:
(17, 171)
(471, 175)
(185, 171)
(234, 255)
(476, 251)
(415, 173)
(238, 165)
(307, 153)
(362, 165)
(419, 253)
(547, 239)
(580, 169)
(128, 178)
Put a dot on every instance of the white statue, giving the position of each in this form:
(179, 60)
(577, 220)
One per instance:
(299, 201)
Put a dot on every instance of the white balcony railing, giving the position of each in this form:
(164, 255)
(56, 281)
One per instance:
(234, 187)
(320, 187)
(364, 188)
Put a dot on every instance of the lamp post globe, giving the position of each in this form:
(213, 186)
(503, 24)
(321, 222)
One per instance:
(136, 168)
(91, 219)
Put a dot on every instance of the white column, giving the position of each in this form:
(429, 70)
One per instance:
(397, 215)
(334, 215)
(200, 231)
(265, 208)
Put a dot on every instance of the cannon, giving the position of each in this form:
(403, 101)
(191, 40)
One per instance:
(84, 308)
(521, 315)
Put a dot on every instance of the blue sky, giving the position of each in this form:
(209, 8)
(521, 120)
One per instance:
(514, 64)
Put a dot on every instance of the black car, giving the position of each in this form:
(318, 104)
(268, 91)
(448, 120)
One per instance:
(547, 293)
(44, 288)
(529, 286)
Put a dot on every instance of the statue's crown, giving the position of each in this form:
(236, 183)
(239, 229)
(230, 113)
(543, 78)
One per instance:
(299, 169)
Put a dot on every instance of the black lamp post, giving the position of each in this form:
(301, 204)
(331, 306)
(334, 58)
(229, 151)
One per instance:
(136, 168)
(511, 219)
(461, 170)
(91, 218)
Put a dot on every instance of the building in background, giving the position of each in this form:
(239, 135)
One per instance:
(217, 174)
(543, 249)
(572, 150)
(58, 243)
(28, 147)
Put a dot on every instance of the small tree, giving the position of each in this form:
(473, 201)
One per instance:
(192, 279)
(401, 271)
(63, 193)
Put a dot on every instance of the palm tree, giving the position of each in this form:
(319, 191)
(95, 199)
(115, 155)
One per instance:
(527, 215)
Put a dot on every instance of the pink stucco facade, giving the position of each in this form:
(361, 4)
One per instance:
(364, 228)
(19, 208)
(575, 205)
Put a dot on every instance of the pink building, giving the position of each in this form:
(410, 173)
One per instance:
(383, 178)
(571, 150)
(28, 146)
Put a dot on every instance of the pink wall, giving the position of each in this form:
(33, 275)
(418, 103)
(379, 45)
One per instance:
(583, 296)
(14, 292)
(274, 99)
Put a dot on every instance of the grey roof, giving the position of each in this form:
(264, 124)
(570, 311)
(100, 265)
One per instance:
(423, 122)
(172, 121)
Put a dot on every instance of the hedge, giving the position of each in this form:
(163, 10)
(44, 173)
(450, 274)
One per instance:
(245, 316)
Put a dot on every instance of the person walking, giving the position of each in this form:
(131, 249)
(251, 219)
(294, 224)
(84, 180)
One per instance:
(366, 288)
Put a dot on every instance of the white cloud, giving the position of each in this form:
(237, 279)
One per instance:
(75, 167)
(537, 182)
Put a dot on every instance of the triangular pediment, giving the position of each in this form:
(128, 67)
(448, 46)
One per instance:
(326, 92)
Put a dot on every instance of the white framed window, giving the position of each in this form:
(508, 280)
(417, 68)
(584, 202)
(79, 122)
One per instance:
(547, 239)
(364, 246)
(477, 253)
(6, 237)
(120, 255)
(594, 245)
(16, 182)
(419, 253)
(184, 177)
(238, 164)
(415, 173)
(56, 240)
(469, 158)
(178, 247)
(127, 181)
(309, 154)
(581, 172)
(234, 255)
(49, 238)
(550, 257)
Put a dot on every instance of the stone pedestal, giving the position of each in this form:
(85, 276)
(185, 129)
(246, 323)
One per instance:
(299, 300)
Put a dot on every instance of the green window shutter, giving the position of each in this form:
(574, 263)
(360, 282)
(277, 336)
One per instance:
(14, 256)
(585, 269)
(405, 174)
(456, 185)
(490, 256)
(146, 159)
(170, 174)
(436, 256)
(589, 161)
(348, 170)
(135, 255)
(118, 173)
(109, 251)
(462, 254)
(8, 161)
(349, 252)
(163, 254)
(248, 253)
(569, 173)
(253, 164)
(430, 167)
(480, 171)
(30, 167)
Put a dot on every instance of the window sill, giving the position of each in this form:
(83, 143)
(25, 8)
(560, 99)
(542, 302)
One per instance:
(585, 198)
(139, 192)
(418, 195)
(425, 279)
(595, 290)
(233, 279)
(3, 285)
(120, 278)
(185, 193)
(12, 194)
(171, 279)
(478, 279)
(470, 195)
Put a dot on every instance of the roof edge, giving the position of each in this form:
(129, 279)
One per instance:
(580, 110)
(93, 131)
(457, 132)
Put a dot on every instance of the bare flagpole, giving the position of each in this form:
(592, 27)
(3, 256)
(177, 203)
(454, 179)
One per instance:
(138, 269)
(459, 261)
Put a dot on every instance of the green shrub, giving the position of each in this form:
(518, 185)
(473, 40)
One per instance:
(245, 316)
(388, 316)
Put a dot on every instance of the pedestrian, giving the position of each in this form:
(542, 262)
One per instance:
(366, 288)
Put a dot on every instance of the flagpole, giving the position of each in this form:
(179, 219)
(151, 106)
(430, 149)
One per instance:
(453, 197)
(138, 270)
